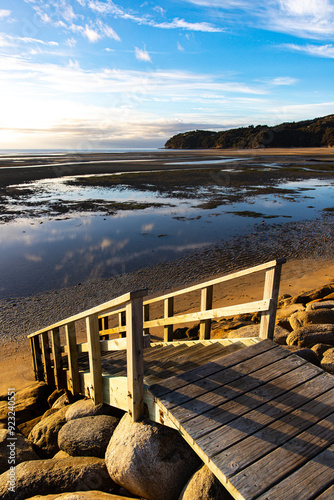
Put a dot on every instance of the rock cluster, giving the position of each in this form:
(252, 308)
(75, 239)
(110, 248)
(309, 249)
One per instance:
(97, 453)
(64, 445)
(304, 324)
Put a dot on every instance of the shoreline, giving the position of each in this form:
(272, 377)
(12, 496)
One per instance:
(73, 164)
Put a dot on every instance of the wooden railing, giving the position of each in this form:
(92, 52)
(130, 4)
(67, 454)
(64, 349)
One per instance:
(134, 321)
(133, 343)
(267, 306)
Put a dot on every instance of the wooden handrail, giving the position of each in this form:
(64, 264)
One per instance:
(216, 281)
(136, 326)
(111, 304)
(207, 284)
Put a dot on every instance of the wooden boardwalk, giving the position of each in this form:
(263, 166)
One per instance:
(261, 418)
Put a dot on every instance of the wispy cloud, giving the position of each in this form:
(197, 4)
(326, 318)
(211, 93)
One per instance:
(185, 25)
(118, 12)
(4, 13)
(303, 18)
(312, 50)
(142, 55)
(283, 80)
(10, 41)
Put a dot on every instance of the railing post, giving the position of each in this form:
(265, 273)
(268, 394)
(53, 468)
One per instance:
(146, 317)
(57, 360)
(94, 353)
(168, 312)
(48, 372)
(206, 304)
(122, 322)
(72, 353)
(36, 358)
(271, 290)
(135, 362)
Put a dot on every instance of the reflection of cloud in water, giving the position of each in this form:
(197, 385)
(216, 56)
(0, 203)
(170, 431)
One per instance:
(33, 258)
(91, 257)
(147, 228)
(174, 248)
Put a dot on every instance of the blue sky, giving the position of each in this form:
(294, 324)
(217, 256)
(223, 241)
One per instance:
(90, 74)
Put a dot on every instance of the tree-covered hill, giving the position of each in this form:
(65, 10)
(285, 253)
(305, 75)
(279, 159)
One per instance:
(310, 133)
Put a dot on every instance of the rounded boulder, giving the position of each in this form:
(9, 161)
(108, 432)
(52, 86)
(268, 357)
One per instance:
(204, 485)
(308, 336)
(150, 460)
(87, 408)
(313, 317)
(44, 477)
(14, 448)
(87, 436)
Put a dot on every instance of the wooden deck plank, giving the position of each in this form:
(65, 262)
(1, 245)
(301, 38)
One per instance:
(214, 382)
(308, 481)
(328, 494)
(187, 361)
(237, 387)
(274, 424)
(236, 457)
(197, 374)
(272, 400)
(285, 460)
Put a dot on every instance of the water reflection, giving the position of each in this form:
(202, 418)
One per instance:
(41, 251)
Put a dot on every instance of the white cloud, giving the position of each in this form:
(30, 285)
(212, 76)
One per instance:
(71, 42)
(283, 80)
(107, 31)
(91, 34)
(303, 18)
(179, 46)
(312, 50)
(142, 55)
(4, 13)
(160, 10)
(10, 40)
(185, 25)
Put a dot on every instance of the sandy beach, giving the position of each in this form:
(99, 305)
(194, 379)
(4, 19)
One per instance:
(307, 245)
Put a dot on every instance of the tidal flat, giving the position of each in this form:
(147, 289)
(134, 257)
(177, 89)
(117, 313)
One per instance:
(70, 219)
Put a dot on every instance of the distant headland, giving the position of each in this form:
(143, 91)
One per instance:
(315, 133)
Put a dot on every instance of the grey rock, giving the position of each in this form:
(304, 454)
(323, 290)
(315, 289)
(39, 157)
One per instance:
(45, 434)
(327, 362)
(316, 294)
(54, 396)
(43, 477)
(60, 402)
(150, 460)
(87, 436)
(20, 450)
(304, 353)
(30, 403)
(204, 485)
(323, 304)
(316, 317)
(244, 332)
(86, 408)
(81, 495)
(280, 334)
(320, 349)
(308, 336)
